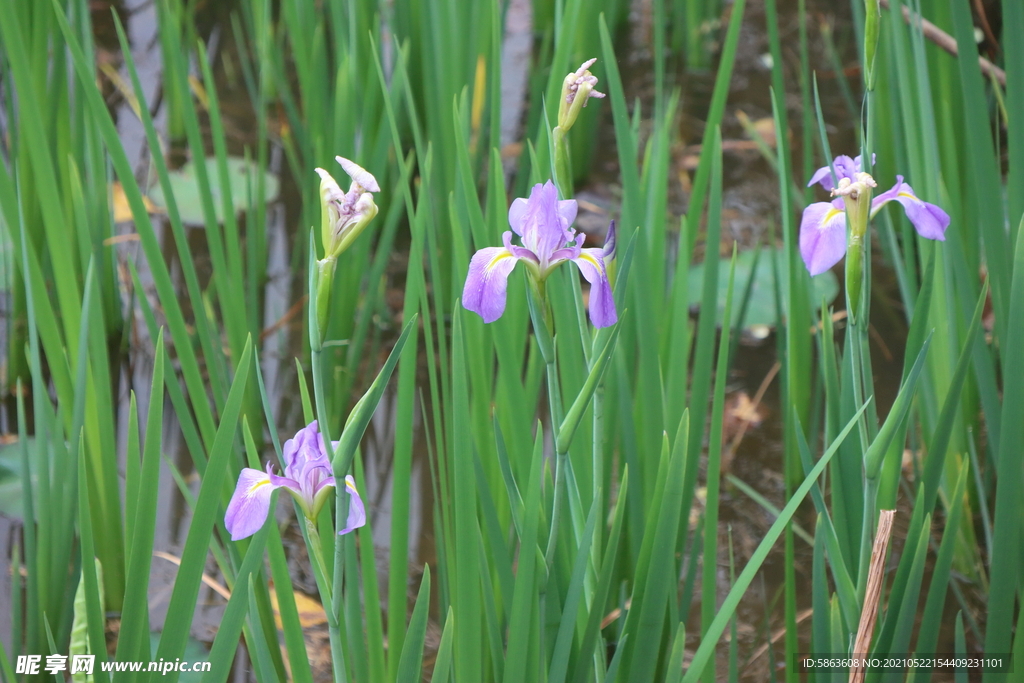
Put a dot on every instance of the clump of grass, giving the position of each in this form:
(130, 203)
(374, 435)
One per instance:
(564, 458)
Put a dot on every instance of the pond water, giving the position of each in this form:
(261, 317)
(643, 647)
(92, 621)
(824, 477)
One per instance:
(750, 207)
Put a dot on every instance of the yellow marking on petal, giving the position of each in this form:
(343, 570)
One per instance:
(351, 487)
(832, 213)
(591, 260)
(907, 195)
(261, 482)
(494, 261)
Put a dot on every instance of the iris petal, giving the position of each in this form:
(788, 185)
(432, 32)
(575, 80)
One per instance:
(542, 224)
(356, 509)
(845, 168)
(822, 237)
(567, 209)
(929, 220)
(249, 505)
(516, 214)
(602, 304)
(824, 176)
(487, 282)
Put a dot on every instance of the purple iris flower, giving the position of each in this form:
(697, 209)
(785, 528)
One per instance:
(308, 477)
(823, 226)
(845, 168)
(542, 222)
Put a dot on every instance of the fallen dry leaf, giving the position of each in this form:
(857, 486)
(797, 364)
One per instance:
(122, 210)
(741, 413)
(311, 612)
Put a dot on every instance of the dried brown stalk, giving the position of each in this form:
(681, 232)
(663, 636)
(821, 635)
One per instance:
(948, 42)
(876, 574)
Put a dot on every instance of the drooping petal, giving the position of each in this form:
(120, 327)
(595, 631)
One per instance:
(929, 220)
(249, 505)
(822, 236)
(883, 198)
(602, 304)
(356, 510)
(487, 282)
(608, 250)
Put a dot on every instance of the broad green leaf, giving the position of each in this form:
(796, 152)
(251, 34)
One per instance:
(411, 661)
(761, 305)
(242, 179)
(360, 416)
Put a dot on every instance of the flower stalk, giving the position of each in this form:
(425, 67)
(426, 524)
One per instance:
(316, 556)
(324, 281)
(872, 19)
(856, 196)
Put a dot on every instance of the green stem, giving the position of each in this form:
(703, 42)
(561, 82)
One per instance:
(854, 276)
(597, 465)
(555, 407)
(332, 598)
(316, 554)
(562, 166)
(867, 525)
(549, 553)
(324, 283)
(857, 349)
(540, 314)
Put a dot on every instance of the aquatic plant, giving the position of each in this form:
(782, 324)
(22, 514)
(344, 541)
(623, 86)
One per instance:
(576, 469)
(823, 226)
(307, 477)
(543, 222)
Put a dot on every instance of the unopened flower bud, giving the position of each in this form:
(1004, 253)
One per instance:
(344, 215)
(577, 88)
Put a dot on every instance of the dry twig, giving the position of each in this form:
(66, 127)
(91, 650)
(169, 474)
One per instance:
(947, 42)
(876, 574)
